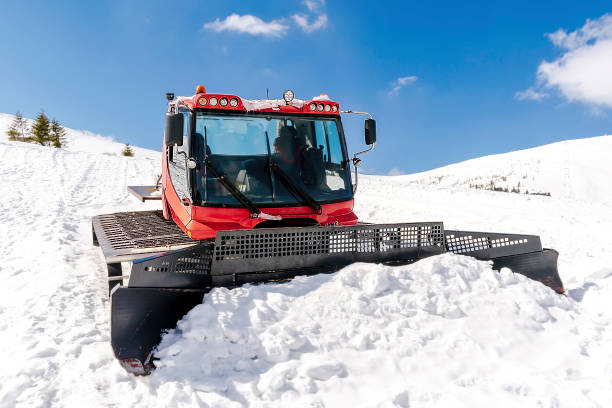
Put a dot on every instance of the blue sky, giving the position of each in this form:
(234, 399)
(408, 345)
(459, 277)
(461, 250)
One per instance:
(446, 81)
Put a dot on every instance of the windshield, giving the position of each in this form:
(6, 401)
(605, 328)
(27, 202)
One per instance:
(243, 148)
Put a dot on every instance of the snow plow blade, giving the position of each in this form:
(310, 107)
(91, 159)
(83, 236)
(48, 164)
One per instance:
(163, 288)
(139, 316)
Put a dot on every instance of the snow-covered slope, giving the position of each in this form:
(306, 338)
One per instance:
(571, 169)
(446, 331)
(84, 141)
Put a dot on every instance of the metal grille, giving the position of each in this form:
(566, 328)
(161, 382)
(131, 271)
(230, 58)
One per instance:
(142, 229)
(194, 260)
(268, 243)
(124, 235)
(490, 245)
(469, 243)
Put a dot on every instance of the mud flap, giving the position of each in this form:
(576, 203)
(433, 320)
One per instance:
(540, 266)
(139, 317)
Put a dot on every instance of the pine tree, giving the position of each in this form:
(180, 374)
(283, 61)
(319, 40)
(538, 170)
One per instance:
(18, 129)
(40, 132)
(57, 135)
(127, 151)
(12, 132)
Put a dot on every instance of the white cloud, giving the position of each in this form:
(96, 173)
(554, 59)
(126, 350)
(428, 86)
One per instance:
(306, 26)
(401, 82)
(248, 24)
(320, 21)
(314, 5)
(530, 94)
(395, 172)
(584, 72)
(253, 25)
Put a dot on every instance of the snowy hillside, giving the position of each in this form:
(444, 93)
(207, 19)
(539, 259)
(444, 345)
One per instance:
(444, 332)
(571, 169)
(84, 141)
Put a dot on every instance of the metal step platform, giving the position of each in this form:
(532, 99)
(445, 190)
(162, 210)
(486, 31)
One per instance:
(145, 193)
(131, 235)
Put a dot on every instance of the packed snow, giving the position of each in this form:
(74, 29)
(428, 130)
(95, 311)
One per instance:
(445, 331)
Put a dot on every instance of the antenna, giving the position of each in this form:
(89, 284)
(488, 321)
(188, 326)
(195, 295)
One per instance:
(267, 93)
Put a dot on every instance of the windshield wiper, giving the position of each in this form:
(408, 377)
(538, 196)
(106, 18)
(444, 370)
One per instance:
(242, 199)
(296, 189)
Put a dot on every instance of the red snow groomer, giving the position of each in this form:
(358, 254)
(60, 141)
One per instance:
(257, 191)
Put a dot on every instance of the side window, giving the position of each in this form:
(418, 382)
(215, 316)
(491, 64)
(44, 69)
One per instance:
(327, 136)
(186, 133)
(335, 150)
(178, 172)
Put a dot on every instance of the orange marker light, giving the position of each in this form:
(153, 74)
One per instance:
(200, 89)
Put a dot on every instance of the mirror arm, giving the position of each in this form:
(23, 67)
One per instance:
(357, 113)
(357, 160)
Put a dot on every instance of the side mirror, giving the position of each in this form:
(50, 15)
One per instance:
(174, 129)
(370, 131)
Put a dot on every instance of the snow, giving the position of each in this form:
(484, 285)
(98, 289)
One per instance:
(260, 104)
(85, 141)
(571, 169)
(446, 331)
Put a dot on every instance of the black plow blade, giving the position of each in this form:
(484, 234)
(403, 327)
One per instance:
(139, 316)
(540, 266)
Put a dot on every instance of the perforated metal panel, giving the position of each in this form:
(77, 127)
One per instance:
(130, 235)
(276, 249)
(487, 245)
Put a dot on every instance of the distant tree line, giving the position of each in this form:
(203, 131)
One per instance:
(43, 131)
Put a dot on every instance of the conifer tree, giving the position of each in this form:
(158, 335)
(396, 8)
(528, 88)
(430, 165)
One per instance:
(57, 135)
(40, 132)
(18, 129)
(127, 151)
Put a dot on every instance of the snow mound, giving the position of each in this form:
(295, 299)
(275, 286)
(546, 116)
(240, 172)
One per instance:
(578, 169)
(84, 141)
(444, 331)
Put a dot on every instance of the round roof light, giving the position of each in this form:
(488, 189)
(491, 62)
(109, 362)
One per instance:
(335, 108)
(202, 101)
(213, 101)
(233, 102)
(313, 106)
(288, 95)
(223, 102)
(327, 108)
(320, 107)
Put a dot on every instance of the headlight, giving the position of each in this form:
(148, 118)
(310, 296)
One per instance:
(288, 95)
(213, 101)
(313, 107)
(202, 101)
(233, 102)
(320, 107)
(334, 108)
(223, 102)
(327, 108)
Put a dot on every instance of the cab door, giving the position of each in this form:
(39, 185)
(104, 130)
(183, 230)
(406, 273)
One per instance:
(180, 175)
